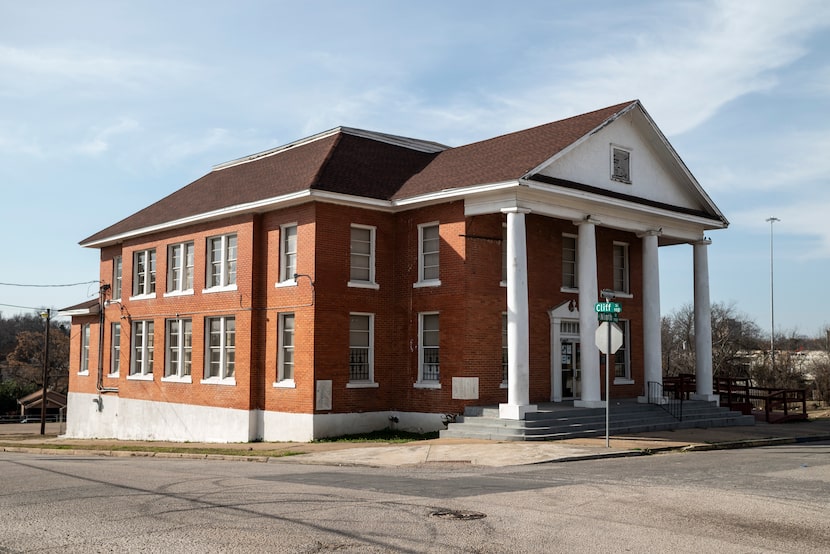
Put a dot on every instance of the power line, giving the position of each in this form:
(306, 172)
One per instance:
(21, 307)
(47, 286)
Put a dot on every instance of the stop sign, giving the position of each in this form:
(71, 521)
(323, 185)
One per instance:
(601, 337)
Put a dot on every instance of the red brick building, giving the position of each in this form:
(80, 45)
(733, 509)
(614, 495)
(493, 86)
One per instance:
(354, 280)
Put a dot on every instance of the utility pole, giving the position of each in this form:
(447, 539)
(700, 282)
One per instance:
(771, 220)
(47, 314)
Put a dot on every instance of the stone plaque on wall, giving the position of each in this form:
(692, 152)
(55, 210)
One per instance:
(324, 395)
(465, 388)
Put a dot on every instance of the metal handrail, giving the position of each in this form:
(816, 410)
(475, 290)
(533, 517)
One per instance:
(673, 405)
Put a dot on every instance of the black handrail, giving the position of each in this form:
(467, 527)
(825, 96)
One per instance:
(673, 404)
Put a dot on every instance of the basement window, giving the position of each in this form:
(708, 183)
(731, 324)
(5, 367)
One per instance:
(620, 165)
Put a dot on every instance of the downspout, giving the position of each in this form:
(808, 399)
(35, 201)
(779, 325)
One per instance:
(101, 321)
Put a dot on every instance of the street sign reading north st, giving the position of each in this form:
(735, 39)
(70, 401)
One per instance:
(607, 307)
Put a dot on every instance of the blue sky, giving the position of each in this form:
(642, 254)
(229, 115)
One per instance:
(106, 107)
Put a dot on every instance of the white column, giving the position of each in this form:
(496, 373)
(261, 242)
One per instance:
(703, 323)
(518, 326)
(652, 341)
(586, 269)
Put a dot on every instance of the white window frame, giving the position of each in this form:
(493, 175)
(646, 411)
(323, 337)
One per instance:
(621, 177)
(625, 289)
(86, 334)
(115, 349)
(144, 283)
(227, 352)
(288, 270)
(369, 283)
(423, 383)
(422, 254)
(117, 277)
(565, 286)
(142, 355)
(182, 370)
(282, 348)
(183, 273)
(370, 381)
(227, 263)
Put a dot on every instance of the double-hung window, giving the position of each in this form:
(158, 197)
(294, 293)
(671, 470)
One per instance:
(85, 336)
(141, 365)
(362, 259)
(179, 349)
(428, 352)
(220, 357)
(285, 355)
(117, 266)
(429, 243)
(361, 348)
(144, 272)
(569, 275)
(288, 253)
(221, 262)
(180, 268)
(115, 349)
(504, 364)
(621, 267)
(622, 358)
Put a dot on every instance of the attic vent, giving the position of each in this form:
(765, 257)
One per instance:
(620, 165)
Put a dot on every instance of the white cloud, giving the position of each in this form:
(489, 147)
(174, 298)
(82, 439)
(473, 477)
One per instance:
(805, 217)
(101, 141)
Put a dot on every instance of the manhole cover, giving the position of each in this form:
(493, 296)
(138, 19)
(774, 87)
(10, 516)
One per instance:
(457, 514)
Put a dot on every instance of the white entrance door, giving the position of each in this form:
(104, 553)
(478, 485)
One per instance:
(565, 353)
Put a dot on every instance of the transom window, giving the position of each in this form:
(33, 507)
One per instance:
(361, 346)
(221, 348)
(144, 272)
(620, 165)
(569, 276)
(142, 362)
(620, 267)
(179, 348)
(180, 267)
(288, 252)
(429, 363)
(222, 261)
(362, 268)
(429, 243)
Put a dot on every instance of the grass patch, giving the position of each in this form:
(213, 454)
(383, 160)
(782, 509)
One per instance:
(386, 435)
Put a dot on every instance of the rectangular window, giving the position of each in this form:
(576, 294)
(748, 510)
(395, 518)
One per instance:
(144, 272)
(179, 348)
(221, 348)
(429, 362)
(620, 267)
(180, 267)
(288, 252)
(361, 346)
(622, 367)
(221, 261)
(504, 364)
(85, 336)
(117, 265)
(115, 349)
(504, 254)
(429, 243)
(142, 362)
(362, 269)
(620, 165)
(569, 276)
(285, 371)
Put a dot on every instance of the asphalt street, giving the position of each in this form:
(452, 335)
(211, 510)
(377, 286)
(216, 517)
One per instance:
(771, 499)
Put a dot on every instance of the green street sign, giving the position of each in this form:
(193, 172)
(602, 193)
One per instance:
(605, 316)
(607, 307)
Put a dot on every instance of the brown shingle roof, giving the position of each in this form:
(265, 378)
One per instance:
(361, 164)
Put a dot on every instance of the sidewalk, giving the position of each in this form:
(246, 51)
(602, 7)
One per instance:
(24, 438)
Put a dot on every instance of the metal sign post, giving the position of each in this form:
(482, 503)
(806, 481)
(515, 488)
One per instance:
(607, 313)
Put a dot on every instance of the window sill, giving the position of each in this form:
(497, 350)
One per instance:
(223, 288)
(363, 285)
(362, 385)
(504, 385)
(428, 385)
(285, 384)
(110, 375)
(151, 296)
(229, 381)
(623, 381)
(620, 294)
(84, 373)
(187, 379)
(502, 283)
(140, 377)
(569, 290)
(424, 284)
(288, 283)
(173, 293)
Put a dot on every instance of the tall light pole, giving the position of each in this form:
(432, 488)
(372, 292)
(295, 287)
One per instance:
(47, 315)
(771, 221)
